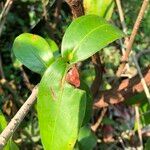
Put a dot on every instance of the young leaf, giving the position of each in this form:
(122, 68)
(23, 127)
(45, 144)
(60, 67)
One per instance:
(61, 108)
(102, 8)
(33, 51)
(87, 35)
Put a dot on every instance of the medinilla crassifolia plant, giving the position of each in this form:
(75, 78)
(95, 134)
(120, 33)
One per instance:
(64, 102)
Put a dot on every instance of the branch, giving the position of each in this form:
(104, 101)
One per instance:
(26, 79)
(143, 82)
(124, 27)
(126, 89)
(57, 13)
(76, 7)
(99, 120)
(121, 16)
(4, 13)
(139, 126)
(17, 119)
(143, 52)
(132, 37)
(99, 74)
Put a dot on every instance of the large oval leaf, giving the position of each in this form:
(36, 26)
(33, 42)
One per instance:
(103, 8)
(33, 51)
(86, 36)
(61, 108)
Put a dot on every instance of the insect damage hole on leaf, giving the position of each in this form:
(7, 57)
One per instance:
(72, 77)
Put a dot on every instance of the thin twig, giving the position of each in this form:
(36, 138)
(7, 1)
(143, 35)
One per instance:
(4, 13)
(146, 90)
(132, 37)
(98, 122)
(121, 16)
(44, 4)
(137, 117)
(57, 13)
(124, 27)
(143, 52)
(99, 72)
(26, 79)
(17, 119)
(121, 142)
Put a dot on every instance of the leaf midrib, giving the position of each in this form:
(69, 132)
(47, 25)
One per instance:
(58, 110)
(38, 58)
(78, 45)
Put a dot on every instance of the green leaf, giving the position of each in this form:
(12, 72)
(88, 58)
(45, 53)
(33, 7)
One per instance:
(89, 102)
(53, 46)
(33, 51)
(87, 139)
(144, 109)
(61, 108)
(103, 8)
(147, 144)
(3, 122)
(10, 145)
(87, 35)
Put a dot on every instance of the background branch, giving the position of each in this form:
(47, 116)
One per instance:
(4, 13)
(124, 27)
(143, 82)
(17, 119)
(76, 7)
(99, 120)
(98, 74)
(121, 16)
(132, 37)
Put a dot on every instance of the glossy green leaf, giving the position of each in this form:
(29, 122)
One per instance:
(87, 35)
(33, 51)
(61, 108)
(87, 139)
(103, 8)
